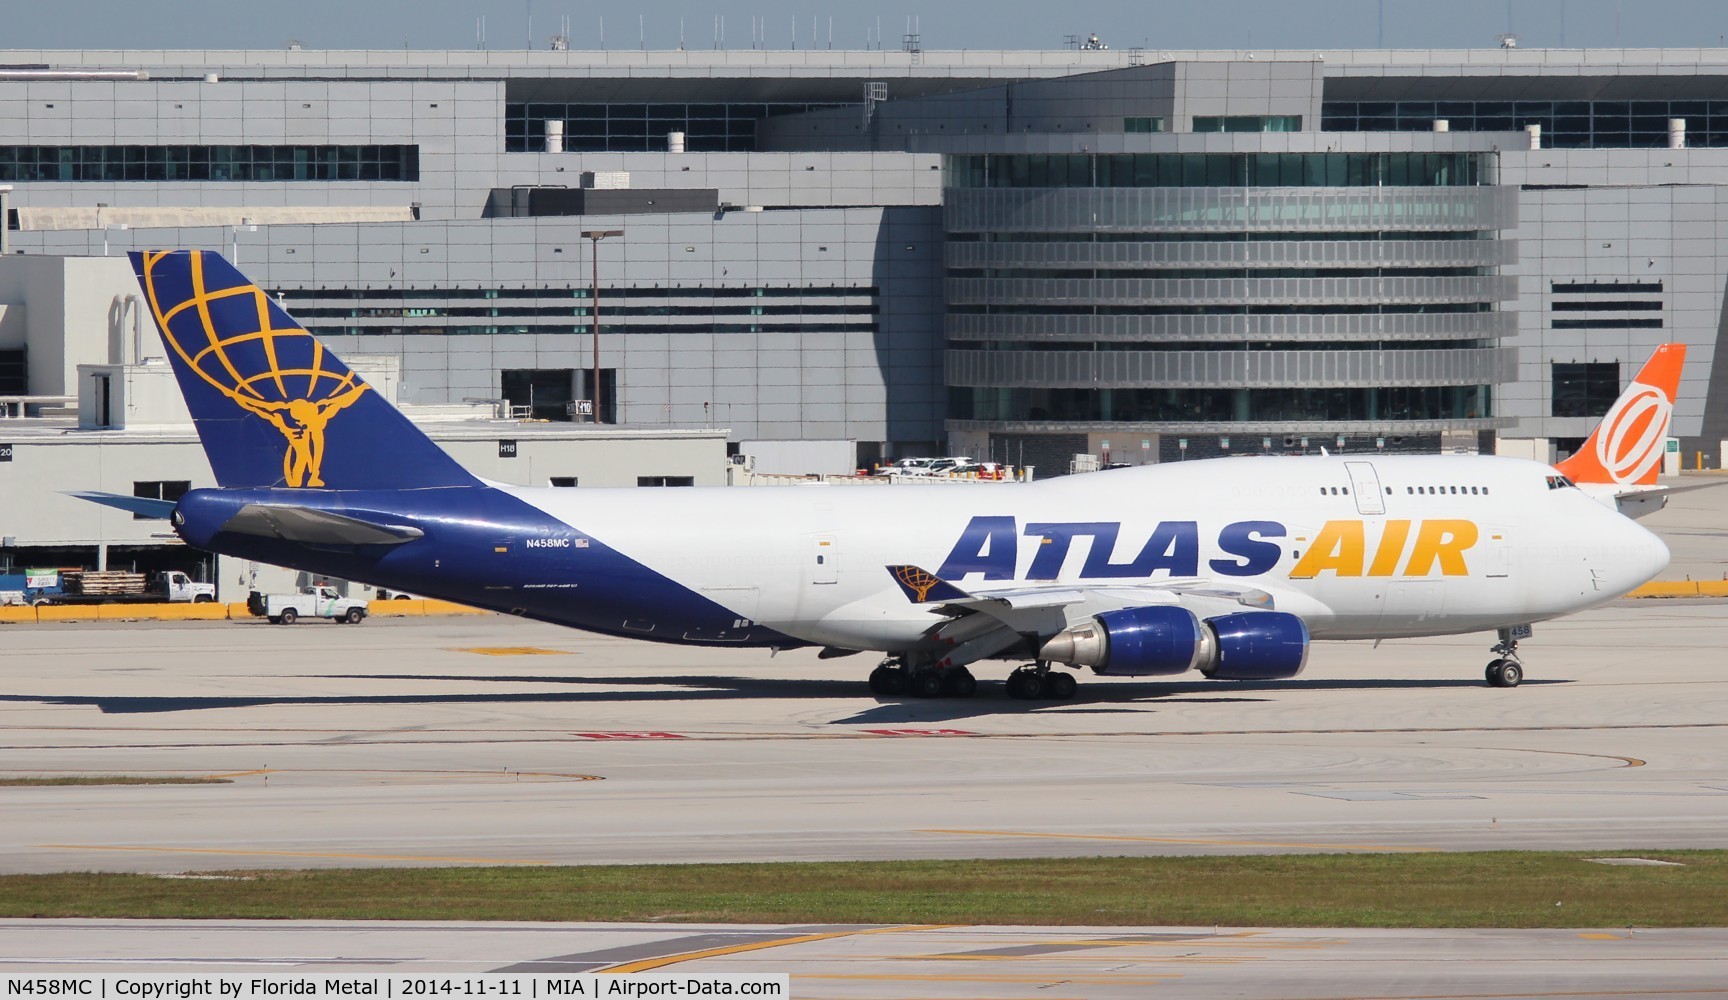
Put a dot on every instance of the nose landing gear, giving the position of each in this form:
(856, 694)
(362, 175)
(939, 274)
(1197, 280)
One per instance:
(1505, 671)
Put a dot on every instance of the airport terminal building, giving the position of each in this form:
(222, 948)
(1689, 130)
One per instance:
(1138, 254)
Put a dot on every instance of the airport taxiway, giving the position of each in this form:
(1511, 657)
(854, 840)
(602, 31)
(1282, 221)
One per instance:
(485, 740)
(490, 740)
(848, 962)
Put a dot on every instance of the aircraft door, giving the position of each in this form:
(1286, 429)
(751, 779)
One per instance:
(824, 560)
(1496, 547)
(1365, 483)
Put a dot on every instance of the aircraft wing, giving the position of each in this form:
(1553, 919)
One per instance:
(315, 527)
(1639, 501)
(923, 587)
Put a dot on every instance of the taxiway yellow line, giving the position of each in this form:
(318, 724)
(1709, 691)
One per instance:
(648, 964)
(1135, 980)
(287, 854)
(1704, 991)
(1181, 840)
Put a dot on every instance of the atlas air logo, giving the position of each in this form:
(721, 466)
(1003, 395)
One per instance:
(993, 547)
(279, 374)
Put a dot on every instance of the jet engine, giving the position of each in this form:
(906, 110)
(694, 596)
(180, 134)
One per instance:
(1163, 641)
(1257, 646)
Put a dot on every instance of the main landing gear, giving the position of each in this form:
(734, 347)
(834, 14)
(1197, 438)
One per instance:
(1035, 681)
(1505, 670)
(892, 678)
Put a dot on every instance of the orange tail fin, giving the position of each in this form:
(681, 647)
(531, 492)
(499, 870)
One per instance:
(1625, 449)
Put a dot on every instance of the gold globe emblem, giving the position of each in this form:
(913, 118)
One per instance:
(280, 374)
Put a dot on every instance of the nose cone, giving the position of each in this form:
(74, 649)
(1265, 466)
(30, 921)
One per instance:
(1654, 552)
(1636, 556)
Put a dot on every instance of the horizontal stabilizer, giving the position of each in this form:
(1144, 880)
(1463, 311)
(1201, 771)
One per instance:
(312, 526)
(923, 587)
(142, 506)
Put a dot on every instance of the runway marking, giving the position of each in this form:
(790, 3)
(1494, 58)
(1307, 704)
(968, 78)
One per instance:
(921, 732)
(1185, 840)
(286, 854)
(416, 772)
(520, 735)
(510, 651)
(632, 736)
(649, 964)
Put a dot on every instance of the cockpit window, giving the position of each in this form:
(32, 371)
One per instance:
(1561, 483)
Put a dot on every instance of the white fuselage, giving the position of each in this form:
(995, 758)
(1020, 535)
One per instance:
(1359, 548)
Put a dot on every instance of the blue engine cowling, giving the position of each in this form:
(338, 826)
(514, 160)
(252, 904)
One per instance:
(1163, 641)
(1133, 642)
(1257, 646)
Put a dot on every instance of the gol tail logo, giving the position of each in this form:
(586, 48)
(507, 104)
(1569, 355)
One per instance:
(1626, 447)
(281, 375)
(1629, 442)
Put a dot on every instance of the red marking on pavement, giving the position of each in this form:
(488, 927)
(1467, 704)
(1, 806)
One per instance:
(633, 736)
(919, 732)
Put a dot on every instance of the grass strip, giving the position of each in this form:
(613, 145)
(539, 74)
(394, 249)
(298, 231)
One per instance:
(110, 779)
(1488, 889)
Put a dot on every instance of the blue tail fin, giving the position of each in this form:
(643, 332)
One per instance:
(272, 406)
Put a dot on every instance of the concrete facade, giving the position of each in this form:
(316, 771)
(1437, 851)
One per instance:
(872, 338)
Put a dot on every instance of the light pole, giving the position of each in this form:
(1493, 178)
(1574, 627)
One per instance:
(594, 236)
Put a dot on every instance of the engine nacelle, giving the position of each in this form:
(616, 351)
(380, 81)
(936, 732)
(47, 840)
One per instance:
(1134, 642)
(1257, 646)
(1163, 641)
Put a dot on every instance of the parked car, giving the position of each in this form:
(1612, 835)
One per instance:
(906, 467)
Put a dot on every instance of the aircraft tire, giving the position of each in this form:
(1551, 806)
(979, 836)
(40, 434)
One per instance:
(1025, 685)
(927, 684)
(1505, 673)
(958, 682)
(1060, 687)
(887, 681)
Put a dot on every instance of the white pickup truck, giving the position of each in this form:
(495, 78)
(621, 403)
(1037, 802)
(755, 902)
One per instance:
(313, 602)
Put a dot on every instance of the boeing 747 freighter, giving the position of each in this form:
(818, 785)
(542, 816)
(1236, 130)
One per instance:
(1229, 567)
